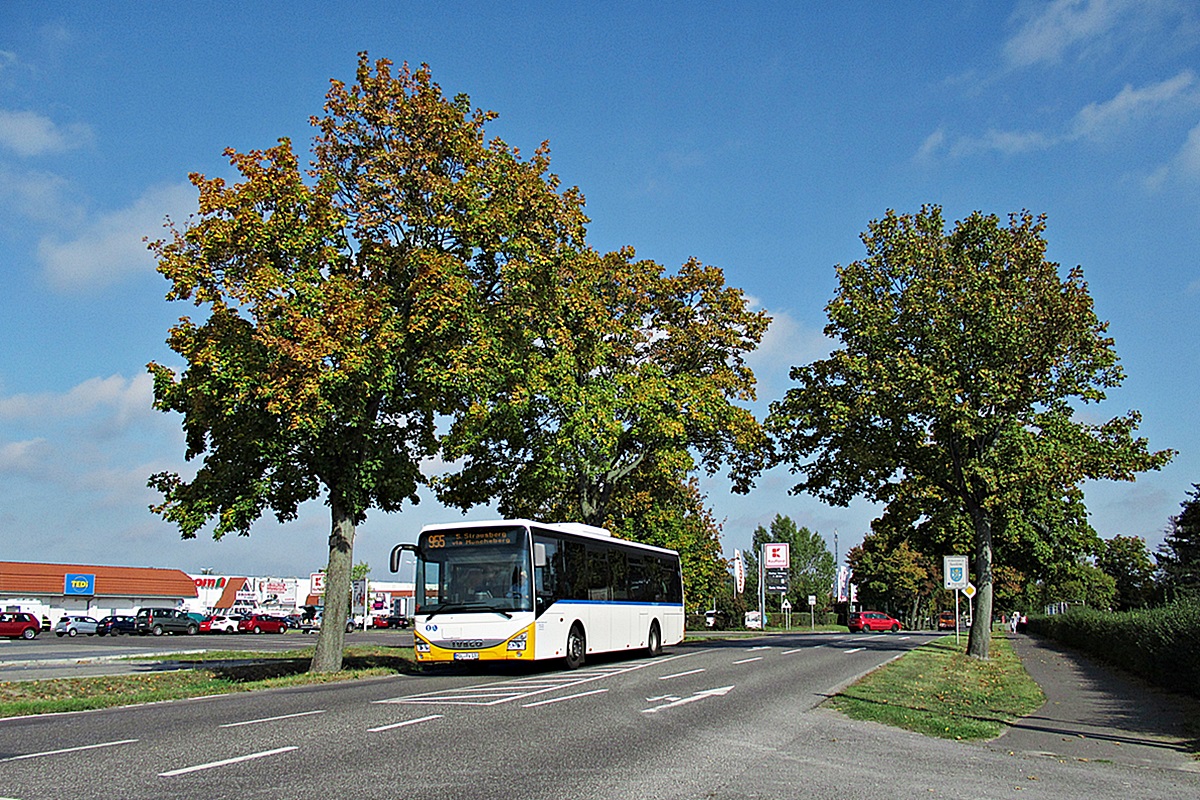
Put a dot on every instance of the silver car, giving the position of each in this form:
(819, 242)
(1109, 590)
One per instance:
(73, 626)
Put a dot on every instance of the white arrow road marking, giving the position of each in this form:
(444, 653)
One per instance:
(684, 701)
(226, 762)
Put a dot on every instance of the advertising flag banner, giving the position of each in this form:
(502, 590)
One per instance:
(739, 571)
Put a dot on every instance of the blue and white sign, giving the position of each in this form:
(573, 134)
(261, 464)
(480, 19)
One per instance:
(955, 572)
(79, 584)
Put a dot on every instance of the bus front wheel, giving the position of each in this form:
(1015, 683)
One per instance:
(654, 640)
(576, 647)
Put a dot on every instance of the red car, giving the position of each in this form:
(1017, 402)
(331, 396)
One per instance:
(867, 621)
(261, 623)
(19, 625)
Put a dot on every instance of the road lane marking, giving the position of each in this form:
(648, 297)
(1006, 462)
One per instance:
(270, 719)
(854, 650)
(500, 692)
(560, 699)
(68, 750)
(226, 762)
(797, 650)
(403, 724)
(703, 695)
(680, 674)
(760, 647)
(748, 660)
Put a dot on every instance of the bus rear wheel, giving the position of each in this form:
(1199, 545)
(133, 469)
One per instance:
(576, 647)
(654, 640)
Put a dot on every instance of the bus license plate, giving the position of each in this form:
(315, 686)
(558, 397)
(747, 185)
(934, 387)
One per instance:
(466, 656)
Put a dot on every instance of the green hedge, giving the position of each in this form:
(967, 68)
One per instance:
(1160, 644)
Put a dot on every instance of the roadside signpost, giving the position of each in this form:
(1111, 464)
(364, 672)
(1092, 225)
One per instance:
(954, 576)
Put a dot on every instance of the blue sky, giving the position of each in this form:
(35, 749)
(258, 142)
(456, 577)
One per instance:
(759, 137)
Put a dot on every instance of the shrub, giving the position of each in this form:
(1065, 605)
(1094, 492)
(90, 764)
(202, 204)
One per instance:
(1161, 644)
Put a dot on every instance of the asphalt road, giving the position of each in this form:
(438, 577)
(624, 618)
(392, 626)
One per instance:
(706, 720)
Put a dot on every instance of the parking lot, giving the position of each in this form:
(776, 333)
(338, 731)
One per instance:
(49, 656)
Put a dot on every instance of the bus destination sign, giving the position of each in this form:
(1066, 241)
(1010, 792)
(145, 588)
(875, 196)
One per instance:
(481, 537)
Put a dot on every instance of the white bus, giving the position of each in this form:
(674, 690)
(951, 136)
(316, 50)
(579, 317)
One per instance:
(587, 592)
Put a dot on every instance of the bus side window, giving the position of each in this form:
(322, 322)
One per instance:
(576, 571)
(619, 574)
(637, 579)
(597, 562)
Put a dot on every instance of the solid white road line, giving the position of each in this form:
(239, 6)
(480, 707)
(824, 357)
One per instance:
(226, 762)
(405, 723)
(560, 699)
(68, 750)
(271, 719)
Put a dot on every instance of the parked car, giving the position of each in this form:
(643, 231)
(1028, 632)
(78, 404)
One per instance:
(867, 621)
(158, 621)
(116, 624)
(19, 625)
(396, 621)
(261, 623)
(73, 626)
(946, 620)
(218, 623)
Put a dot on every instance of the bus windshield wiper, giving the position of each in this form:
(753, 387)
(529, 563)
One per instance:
(451, 608)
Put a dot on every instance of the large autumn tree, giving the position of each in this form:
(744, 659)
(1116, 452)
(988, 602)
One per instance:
(961, 353)
(345, 307)
(630, 378)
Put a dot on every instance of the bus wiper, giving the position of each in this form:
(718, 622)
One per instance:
(451, 608)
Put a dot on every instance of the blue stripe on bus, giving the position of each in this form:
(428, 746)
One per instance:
(616, 603)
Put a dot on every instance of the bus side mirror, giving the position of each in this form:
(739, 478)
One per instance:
(539, 555)
(396, 551)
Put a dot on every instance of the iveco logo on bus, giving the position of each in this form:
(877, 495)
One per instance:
(467, 643)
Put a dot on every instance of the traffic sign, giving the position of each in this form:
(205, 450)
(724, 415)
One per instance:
(786, 605)
(969, 590)
(955, 572)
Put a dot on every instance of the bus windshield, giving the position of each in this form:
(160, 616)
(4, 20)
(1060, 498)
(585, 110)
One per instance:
(473, 570)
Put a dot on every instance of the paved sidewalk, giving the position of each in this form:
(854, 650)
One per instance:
(1097, 713)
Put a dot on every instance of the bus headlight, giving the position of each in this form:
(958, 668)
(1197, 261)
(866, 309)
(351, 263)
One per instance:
(517, 642)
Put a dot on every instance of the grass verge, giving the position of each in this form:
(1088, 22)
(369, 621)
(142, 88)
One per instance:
(939, 691)
(212, 673)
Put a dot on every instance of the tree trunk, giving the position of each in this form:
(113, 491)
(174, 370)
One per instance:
(332, 639)
(979, 642)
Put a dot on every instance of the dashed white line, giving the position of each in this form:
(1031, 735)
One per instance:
(854, 650)
(748, 660)
(69, 750)
(226, 762)
(680, 674)
(560, 699)
(271, 719)
(797, 650)
(404, 723)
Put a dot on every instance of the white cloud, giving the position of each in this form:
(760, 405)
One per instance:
(37, 196)
(1097, 118)
(1184, 166)
(787, 343)
(21, 457)
(28, 133)
(1050, 30)
(1091, 122)
(123, 398)
(111, 246)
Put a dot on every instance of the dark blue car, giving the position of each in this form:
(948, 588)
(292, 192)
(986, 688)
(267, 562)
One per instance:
(116, 625)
